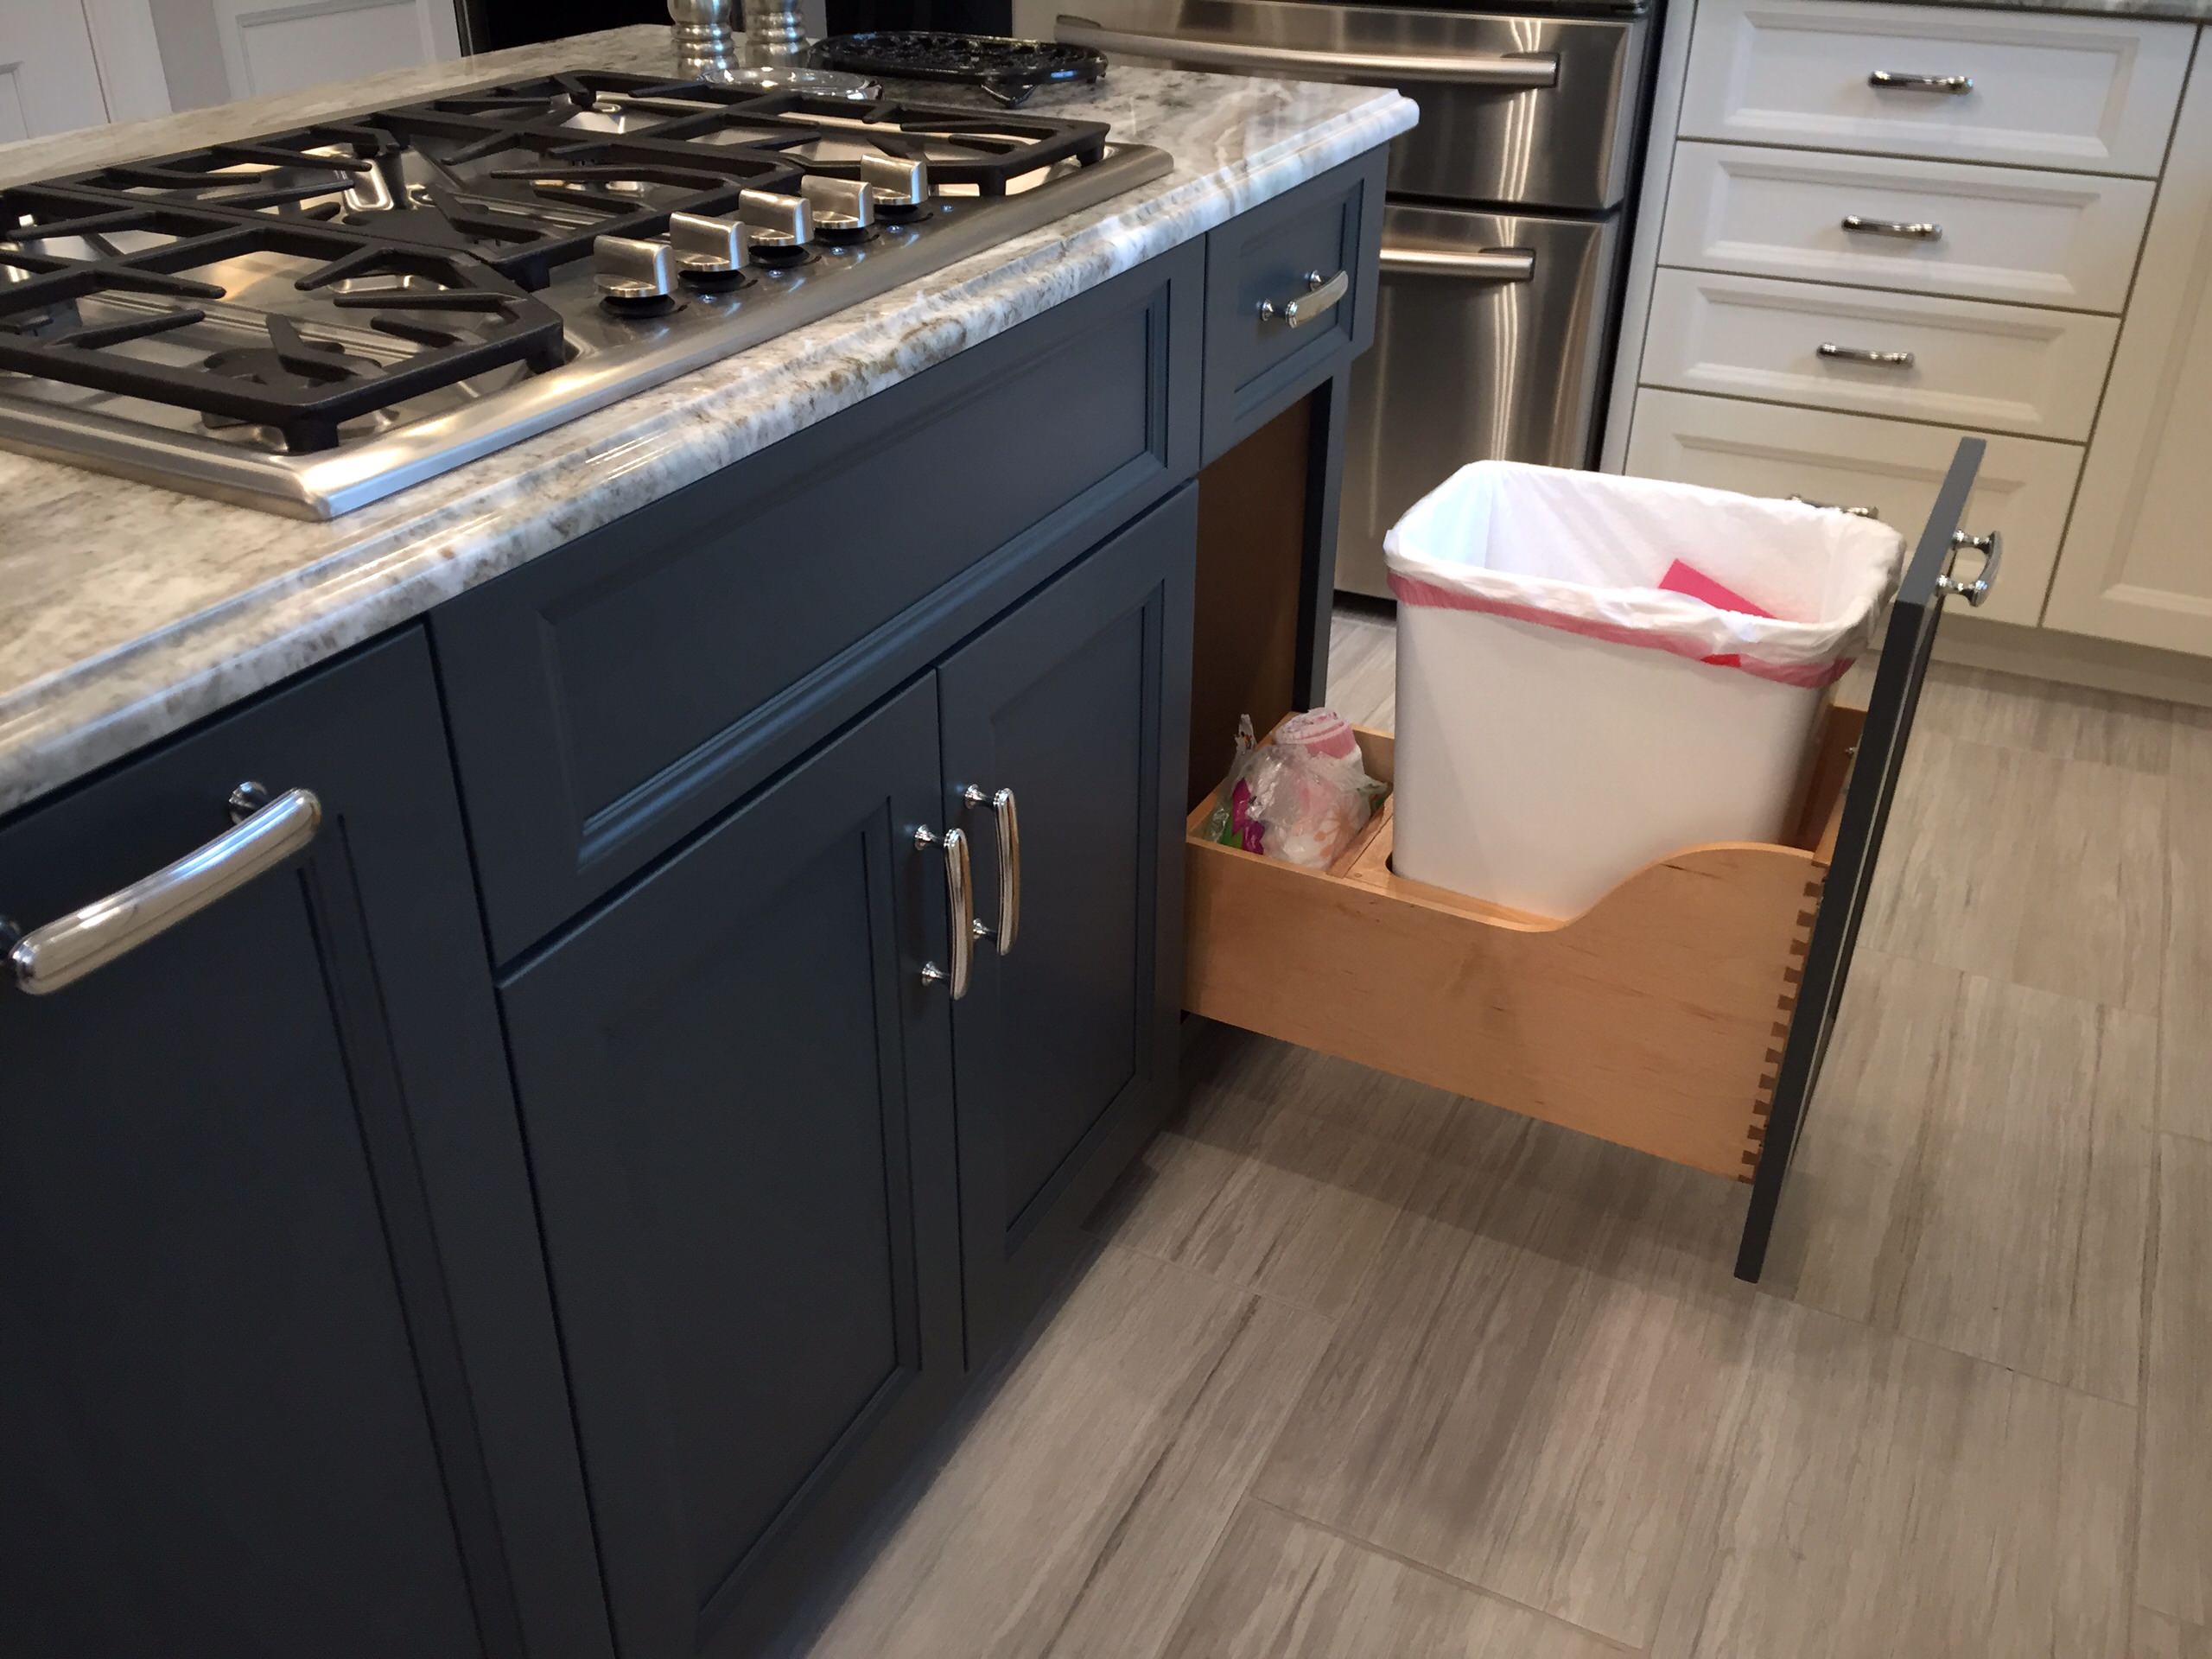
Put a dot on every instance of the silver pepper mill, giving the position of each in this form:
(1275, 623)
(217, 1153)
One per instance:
(774, 33)
(706, 45)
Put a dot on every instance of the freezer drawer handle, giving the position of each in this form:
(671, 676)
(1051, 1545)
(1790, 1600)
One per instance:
(1991, 549)
(1888, 81)
(1321, 295)
(1920, 231)
(1518, 70)
(1862, 354)
(960, 897)
(264, 833)
(1478, 265)
(1837, 506)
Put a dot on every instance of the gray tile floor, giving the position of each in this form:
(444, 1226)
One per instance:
(1358, 1368)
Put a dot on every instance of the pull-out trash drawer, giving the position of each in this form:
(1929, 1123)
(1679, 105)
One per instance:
(1685, 1013)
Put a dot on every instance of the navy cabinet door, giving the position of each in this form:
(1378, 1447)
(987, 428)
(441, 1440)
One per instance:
(736, 1088)
(1078, 701)
(279, 1373)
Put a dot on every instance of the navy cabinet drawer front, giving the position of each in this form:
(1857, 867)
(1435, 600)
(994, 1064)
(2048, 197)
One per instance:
(609, 698)
(1258, 263)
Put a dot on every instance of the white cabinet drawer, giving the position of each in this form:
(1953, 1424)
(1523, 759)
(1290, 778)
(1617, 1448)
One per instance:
(2092, 94)
(2003, 368)
(1929, 227)
(1894, 466)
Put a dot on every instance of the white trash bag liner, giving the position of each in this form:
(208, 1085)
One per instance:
(1563, 718)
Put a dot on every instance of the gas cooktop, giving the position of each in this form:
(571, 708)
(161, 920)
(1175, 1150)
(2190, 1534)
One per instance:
(309, 319)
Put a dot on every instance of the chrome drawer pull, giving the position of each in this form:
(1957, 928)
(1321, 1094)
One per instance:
(264, 834)
(1837, 506)
(1861, 355)
(1888, 81)
(1479, 265)
(1321, 295)
(1532, 70)
(1920, 231)
(960, 899)
(1008, 818)
(1991, 549)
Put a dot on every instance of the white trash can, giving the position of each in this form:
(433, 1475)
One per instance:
(1574, 700)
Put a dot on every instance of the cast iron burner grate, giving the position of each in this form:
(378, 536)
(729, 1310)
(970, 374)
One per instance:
(822, 133)
(404, 270)
(1007, 70)
(447, 317)
(521, 193)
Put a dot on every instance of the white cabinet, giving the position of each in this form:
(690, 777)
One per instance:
(49, 80)
(2028, 88)
(2006, 368)
(2137, 563)
(1975, 232)
(1892, 468)
(2002, 218)
(285, 46)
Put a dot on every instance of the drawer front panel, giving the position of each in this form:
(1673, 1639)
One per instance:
(1895, 467)
(1257, 359)
(2093, 94)
(1992, 368)
(611, 697)
(1976, 232)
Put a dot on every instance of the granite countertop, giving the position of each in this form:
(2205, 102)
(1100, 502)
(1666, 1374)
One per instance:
(127, 612)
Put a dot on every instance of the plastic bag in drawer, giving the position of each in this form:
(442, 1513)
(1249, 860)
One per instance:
(1302, 798)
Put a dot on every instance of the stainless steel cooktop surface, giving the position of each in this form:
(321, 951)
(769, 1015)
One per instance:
(307, 321)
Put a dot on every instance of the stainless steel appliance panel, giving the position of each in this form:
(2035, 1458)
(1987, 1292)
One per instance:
(1490, 335)
(1514, 110)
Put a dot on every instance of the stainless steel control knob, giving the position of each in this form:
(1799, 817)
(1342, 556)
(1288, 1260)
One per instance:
(775, 223)
(844, 210)
(710, 251)
(896, 182)
(632, 272)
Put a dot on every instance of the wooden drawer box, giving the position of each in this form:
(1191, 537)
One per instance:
(2006, 368)
(1894, 467)
(1684, 1014)
(1258, 361)
(2089, 94)
(1650, 1020)
(1975, 232)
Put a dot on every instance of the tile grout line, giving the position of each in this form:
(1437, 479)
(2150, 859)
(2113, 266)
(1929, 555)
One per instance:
(2133, 1556)
(1244, 1492)
(1437, 1573)
(2154, 1214)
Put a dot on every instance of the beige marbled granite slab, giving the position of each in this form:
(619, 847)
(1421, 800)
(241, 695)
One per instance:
(127, 612)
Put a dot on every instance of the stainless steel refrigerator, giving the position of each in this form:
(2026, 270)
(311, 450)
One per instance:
(1501, 242)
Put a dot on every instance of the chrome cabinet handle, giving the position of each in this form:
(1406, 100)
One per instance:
(1837, 506)
(1991, 549)
(960, 899)
(1889, 81)
(1008, 817)
(1861, 355)
(1321, 295)
(1478, 265)
(1916, 231)
(1523, 71)
(264, 834)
